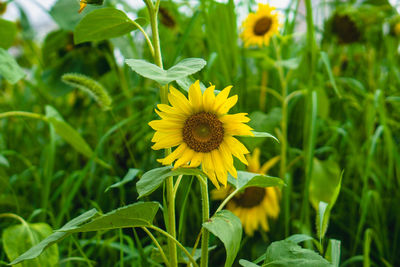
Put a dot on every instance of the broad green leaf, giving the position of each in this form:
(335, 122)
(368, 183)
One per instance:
(19, 238)
(8, 30)
(299, 238)
(35, 251)
(134, 215)
(152, 179)
(65, 13)
(102, 24)
(286, 253)
(324, 187)
(247, 179)
(132, 173)
(228, 228)
(333, 252)
(325, 178)
(9, 68)
(184, 68)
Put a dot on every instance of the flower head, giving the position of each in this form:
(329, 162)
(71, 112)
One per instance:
(255, 204)
(259, 27)
(202, 131)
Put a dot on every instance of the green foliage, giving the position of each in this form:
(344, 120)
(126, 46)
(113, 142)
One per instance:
(247, 179)
(287, 253)
(38, 249)
(8, 31)
(9, 68)
(102, 24)
(19, 238)
(227, 227)
(182, 69)
(152, 179)
(135, 215)
(65, 13)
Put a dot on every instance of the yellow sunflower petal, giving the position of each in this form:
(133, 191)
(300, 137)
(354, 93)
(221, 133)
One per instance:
(209, 98)
(185, 158)
(195, 96)
(228, 104)
(196, 160)
(222, 97)
(174, 155)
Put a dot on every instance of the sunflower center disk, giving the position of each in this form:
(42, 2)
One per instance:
(203, 132)
(251, 197)
(262, 26)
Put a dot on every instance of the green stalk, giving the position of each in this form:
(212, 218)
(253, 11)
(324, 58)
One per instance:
(206, 216)
(171, 226)
(284, 143)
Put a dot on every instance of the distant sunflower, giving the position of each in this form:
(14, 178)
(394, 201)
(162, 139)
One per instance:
(202, 130)
(255, 204)
(259, 27)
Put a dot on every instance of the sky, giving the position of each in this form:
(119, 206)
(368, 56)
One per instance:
(44, 24)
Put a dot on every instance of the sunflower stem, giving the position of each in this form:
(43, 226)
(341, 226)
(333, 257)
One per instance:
(284, 122)
(171, 225)
(206, 216)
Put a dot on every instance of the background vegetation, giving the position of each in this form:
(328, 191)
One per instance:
(331, 93)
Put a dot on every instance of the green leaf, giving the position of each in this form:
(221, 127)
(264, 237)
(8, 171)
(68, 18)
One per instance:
(132, 173)
(4, 162)
(333, 252)
(286, 253)
(184, 68)
(246, 263)
(322, 208)
(102, 24)
(69, 134)
(65, 13)
(327, 64)
(152, 179)
(8, 30)
(247, 179)
(19, 238)
(324, 187)
(299, 238)
(134, 215)
(35, 251)
(264, 134)
(9, 68)
(228, 228)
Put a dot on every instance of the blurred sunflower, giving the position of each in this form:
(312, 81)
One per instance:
(255, 204)
(259, 27)
(202, 130)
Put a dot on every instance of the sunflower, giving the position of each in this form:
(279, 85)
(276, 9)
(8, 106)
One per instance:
(259, 27)
(202, 130)
(255, 204)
